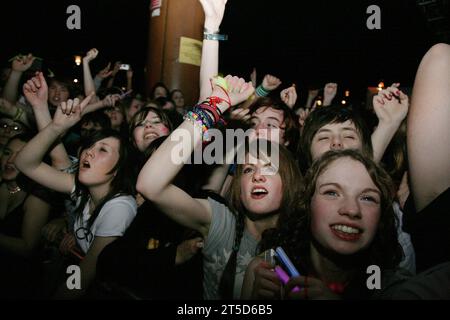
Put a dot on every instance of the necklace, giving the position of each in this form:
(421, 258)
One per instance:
(13, 190)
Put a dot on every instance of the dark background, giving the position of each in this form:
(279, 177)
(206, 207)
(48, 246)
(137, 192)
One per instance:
(304, 42)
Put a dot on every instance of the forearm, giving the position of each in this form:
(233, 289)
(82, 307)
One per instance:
(129, 84)
(381, 138)
(309, 102)
(167, 161)
(89, 85)
(94, 106)
(10, 91)
(34, 151)
(209, 67)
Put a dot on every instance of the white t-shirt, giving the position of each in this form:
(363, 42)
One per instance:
(112, 221)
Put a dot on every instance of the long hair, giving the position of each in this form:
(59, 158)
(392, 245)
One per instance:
(122, 184)
(294, 234)
(292, 183)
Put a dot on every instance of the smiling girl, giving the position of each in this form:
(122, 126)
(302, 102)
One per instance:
(347, 224)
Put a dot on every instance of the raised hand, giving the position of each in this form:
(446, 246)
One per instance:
(267, 285)
(36, 91)
(110, 100)
(105, 72)
(241, 114)
(22, 63)
(70, 112)
(270, 82)
(238, 91)
(289, 96)
(213, 10)
(302, 115)
(311, 289)
(187, 249)
(391, 105)
(91, 55)
(329, 92)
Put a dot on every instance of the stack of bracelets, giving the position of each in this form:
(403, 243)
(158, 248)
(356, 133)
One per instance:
(207, 114)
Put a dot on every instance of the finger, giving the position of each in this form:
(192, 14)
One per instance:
(41, 78)
(63, 107)
(69, 107)
(86, 100)
(26, 88)
(266, 294)
(36, 82)
(32, 86)
(76, 102)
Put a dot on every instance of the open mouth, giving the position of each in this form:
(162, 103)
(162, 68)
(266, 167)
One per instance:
(346, 232)
(85, 165)
(259, 192)
(151, 135)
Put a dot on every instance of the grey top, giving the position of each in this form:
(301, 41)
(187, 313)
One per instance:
(218, 247)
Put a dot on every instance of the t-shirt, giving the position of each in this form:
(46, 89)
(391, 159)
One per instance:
(113, 219)
(218, 248)
(404, 239)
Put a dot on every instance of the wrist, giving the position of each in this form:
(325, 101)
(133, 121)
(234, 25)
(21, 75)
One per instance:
(57, 129)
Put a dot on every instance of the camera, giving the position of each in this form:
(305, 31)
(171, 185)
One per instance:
(125, 67)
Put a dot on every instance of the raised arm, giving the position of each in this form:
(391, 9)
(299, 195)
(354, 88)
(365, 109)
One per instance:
(428, 133)
(391, 107)
(36, 92)
(89, 85)
(209, 68)
(154, 181)
(19, 65)
(29, 160)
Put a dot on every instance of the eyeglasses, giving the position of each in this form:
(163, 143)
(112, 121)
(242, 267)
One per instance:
(13, 127)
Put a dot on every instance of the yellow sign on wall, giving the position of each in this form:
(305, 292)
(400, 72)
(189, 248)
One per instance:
(190, 51)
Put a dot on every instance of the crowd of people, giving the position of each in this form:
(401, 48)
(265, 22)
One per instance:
(89, 178)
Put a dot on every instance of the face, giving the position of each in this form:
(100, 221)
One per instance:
(135, 106)
(97, 161)
(269, 124)
(9, 170)
(345, 208)
(335, 136)
(261, 187)
(116, 117)
(148, 130)
(57, 93)
(160, 92)
(89, 128)
(8, 129)
(178, 98)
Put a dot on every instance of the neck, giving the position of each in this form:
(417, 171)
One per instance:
(329, 269)
(98, 193)
(257, 227)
